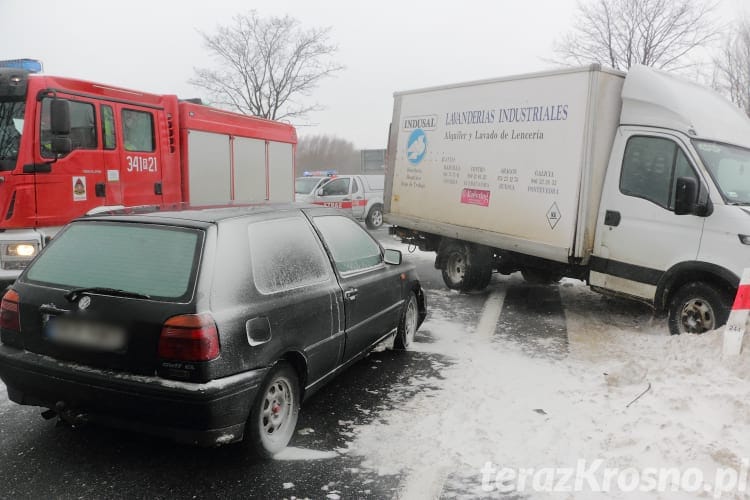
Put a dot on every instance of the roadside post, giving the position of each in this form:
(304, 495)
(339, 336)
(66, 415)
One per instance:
(735, 329)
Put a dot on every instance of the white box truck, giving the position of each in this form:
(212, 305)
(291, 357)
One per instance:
(637, 183)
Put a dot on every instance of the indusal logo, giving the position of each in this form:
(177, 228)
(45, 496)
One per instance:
(416, 147)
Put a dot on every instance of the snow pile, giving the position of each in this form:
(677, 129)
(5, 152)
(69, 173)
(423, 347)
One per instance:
(497, 404)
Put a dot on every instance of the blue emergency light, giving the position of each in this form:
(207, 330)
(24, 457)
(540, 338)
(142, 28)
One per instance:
(30, 65)
(319, 173)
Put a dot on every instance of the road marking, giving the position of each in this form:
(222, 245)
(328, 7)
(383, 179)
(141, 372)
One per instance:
(425, 483)
(493, 306)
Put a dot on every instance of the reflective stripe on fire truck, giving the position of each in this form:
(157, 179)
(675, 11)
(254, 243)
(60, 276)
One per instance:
(342, 204)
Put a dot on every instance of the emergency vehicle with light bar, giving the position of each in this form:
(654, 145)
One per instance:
(70, 147)
(360, 196)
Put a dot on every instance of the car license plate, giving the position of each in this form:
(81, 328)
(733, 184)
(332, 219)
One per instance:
(87, 334)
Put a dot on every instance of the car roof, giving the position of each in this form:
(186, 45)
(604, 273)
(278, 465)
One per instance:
(203, 215)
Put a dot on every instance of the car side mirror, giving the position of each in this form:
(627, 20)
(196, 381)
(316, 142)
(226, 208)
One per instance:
(392, 257)
(320, 192)
(686, 194)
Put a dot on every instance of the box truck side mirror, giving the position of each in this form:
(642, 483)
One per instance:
(686, 198)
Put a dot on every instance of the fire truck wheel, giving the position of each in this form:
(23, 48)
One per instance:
(375, 217)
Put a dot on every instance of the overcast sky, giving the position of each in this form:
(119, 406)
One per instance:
(386, 46)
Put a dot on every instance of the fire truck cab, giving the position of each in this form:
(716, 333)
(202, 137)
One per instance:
(68, 147)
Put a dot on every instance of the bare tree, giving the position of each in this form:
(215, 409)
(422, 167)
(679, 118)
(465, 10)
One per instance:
(733, 66)
(323, 152)
(621, 33)
(265, 65)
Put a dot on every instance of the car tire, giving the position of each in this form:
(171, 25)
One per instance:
(374, 217)
(407, 326)
(698, 307)
(539, 276)
(273, 416)
(465, 267)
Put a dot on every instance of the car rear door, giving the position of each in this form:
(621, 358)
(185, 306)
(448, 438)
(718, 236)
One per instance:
(295, 296)
(372, 290)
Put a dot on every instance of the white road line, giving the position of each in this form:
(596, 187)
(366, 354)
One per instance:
(424, 484)
(427, 483)
(491, 313)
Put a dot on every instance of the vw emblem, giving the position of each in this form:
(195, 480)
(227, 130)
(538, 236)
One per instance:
(84, 303)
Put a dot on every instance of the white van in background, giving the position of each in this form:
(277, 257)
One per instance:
(361, 196)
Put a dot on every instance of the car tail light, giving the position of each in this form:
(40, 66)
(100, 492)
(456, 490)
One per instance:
(190, 337)
(9, 317)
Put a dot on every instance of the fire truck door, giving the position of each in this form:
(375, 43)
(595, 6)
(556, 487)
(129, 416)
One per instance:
(74, 183)
(140, 156)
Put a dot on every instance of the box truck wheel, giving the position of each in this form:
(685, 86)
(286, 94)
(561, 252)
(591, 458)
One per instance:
(539, 276)
(375, 217)
(465, 267)
(698, 307)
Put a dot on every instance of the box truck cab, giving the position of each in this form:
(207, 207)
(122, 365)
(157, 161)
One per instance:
(638, 184)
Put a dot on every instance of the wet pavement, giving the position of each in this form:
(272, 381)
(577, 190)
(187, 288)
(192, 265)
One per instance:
(41, 460)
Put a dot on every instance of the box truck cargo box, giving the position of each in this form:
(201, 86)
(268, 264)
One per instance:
(633, 182)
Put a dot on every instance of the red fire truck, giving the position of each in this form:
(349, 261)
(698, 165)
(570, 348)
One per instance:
(68, 147)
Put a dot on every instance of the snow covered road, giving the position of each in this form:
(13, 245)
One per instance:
(515, 380)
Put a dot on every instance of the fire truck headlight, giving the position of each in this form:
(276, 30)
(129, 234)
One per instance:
(21, 250)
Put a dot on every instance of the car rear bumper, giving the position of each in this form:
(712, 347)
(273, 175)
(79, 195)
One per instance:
(207, 414)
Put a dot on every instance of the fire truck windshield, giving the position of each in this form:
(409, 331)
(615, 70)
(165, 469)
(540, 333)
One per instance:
(11, 125)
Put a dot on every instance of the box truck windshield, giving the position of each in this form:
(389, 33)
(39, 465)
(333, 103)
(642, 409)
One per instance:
(730, 168)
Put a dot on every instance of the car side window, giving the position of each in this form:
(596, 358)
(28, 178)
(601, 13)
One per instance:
(352, 248)
(286, 254)
(650, 168)
(337, 187)
(82, 126)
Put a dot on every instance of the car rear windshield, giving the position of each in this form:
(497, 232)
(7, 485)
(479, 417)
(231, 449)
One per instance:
(158, 261)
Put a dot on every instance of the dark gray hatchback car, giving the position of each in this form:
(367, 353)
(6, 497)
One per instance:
(205, 326)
